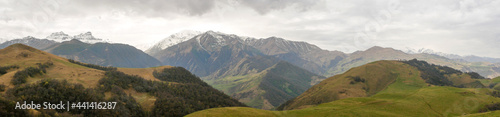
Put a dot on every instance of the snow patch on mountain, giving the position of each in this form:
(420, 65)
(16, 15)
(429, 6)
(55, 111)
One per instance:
(199, 43)
(176, 38)
(429, 51)
(59, 37)
(84, 37)
(219, 38)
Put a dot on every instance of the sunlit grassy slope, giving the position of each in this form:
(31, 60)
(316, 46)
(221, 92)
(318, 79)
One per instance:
(25, 56)
(492, 83)
(408, 95)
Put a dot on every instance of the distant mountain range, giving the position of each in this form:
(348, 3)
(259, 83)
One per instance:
(236, 64)
(468, 58)
(88, 49)
(329, 63)
(105, 54)
(229, 64)
(30, 41)
(84, 37)
(244, 67)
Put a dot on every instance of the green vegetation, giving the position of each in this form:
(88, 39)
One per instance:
(76, 82)
(7, 109)
(491, 107)
(69, 48)
(127, 105)
(174, 99)
(54, 91)
(21, 76)
(440, 75)
(2, 87)
(475, 75)
(92, 65)
(270, 87)
(362, 81)
(408, 95)
(485, 114)
(386, 88)
(427, 101)
(371, 78)
(3, 70)
(179, 75)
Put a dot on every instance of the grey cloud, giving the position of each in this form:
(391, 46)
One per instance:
(151, 8)
(265, 6)
(414, 24)
(154, 7)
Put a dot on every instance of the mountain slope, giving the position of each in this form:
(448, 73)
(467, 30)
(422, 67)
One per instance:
(236, 65)
(118, 55)
(137, 92)
(240, 70)
(308, 56)
(372, 78)
(204, 54)
(30, 41)
(269, 88)
(25, 56)
(171, 40)
(360, 81)
(427, 101)
(89, 51)
(305, 55)
(393, 88)
(379, 53)
(469, 58)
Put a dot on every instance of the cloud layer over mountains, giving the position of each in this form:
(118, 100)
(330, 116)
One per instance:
(452, 26)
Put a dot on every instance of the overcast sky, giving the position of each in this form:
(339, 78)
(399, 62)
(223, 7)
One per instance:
(464, 27)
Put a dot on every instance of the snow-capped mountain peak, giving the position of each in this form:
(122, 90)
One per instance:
(84, 37)
(176, 38)
(59, 37)
(418, 51)
(185, 34)
(87, 35)
(430, 51)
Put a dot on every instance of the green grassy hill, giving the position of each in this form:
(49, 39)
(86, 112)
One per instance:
(361, 81)
(428, 101)
(371, 78)
(385, 88)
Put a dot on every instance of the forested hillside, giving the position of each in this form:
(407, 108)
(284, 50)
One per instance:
(29, 74)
